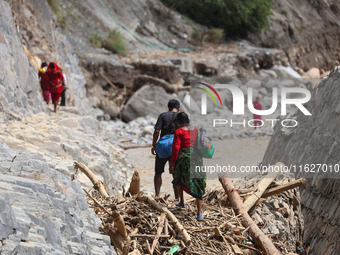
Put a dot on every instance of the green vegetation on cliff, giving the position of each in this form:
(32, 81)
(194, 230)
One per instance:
(236, 17)
(114, 42)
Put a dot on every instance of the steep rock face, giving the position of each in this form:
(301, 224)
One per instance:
(41, 210)
(308, 31)
(43, 41)
(149, 20)
(19, 90)
(315, 140)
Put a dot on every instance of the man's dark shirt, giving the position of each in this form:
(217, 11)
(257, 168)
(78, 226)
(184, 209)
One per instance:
(166, 123)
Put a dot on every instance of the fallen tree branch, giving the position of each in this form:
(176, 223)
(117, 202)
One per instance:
(284, 187)
(260, 238)
(159, 231)
(117, 218)
(108, 81)
(172, 218)
(98, 184)
(97, 203)
(261, 188)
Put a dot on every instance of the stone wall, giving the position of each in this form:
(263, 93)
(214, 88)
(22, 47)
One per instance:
(315, 140)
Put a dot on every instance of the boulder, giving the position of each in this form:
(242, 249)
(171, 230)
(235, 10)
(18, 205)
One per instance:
(149, 100)
(313, 73)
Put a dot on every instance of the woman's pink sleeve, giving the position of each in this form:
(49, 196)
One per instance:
(176, 145)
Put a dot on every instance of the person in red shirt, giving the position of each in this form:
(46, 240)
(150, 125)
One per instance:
(258, 106)
(56, 83)
(184, 147)
(44, 82)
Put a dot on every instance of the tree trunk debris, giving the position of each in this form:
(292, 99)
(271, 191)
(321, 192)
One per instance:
(260, 238)
(261, 188)
(134, 188)
(179, 227)
(284, 187)
(138, 224)
(97, 184)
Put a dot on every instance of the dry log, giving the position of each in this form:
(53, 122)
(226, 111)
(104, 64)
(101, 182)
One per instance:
(119, 223)
(134, 188)
(284, 187)
(261, 188)
(120, 243)
(159, 231)
(166, 229)
(171, 218)
(109, 82)
(98, 184)
(260, 238)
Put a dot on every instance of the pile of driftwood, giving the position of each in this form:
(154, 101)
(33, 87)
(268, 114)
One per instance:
(138, 224)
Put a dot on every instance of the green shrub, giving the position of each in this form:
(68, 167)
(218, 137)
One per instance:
(115, 43)
(196, 37)
(96, 40)
(214, 35)
(236, 17)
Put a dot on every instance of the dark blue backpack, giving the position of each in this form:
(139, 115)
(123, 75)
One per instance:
(164, 146)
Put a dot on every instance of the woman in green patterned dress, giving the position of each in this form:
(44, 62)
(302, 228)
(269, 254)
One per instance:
(186, 178)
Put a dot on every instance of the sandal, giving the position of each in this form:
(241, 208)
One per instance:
(179, 204)
(200, 218)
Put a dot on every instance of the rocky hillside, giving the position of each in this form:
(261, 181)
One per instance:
(69, 33)
(315, 141)
(308, 31)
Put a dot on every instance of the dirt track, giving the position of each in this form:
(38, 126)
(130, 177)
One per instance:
(246, 151)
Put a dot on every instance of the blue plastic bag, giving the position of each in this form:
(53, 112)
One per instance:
(164, 146)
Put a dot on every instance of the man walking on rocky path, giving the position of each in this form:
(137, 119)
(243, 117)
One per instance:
(165, 125)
